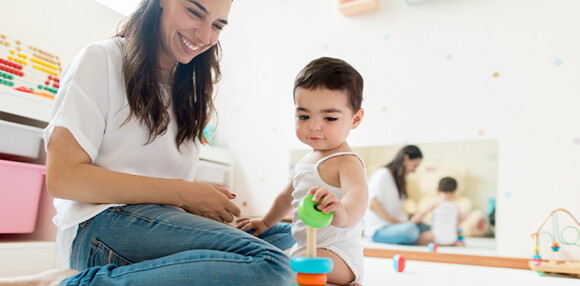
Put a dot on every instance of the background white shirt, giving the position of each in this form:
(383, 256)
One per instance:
(382, 186)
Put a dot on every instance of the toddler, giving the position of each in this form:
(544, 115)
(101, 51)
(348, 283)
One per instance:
(327, 96)
(446, 215)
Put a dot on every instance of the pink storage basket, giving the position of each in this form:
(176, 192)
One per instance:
(20, 186)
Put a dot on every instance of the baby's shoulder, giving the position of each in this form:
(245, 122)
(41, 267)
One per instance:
(346, 160)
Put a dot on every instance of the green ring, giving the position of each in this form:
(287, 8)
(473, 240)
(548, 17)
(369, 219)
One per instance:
(311, 216)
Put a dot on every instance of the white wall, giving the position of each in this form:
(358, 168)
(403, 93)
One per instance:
(428, 73)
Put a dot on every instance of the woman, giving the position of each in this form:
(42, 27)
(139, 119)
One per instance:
(386, 222)
(122, 145)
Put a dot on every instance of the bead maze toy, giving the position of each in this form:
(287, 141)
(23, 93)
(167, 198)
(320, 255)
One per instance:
(558, 240)
(311, 269)
(28, 69)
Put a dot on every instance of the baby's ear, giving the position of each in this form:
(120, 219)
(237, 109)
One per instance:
(357, 118)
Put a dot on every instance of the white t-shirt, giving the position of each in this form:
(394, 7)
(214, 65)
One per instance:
(444, 225)
(92, 104)
(383, 187)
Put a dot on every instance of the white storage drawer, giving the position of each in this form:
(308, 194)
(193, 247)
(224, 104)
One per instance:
(20, 140)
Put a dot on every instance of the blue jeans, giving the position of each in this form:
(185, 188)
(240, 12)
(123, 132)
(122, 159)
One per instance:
(400, 233)
(160, 245)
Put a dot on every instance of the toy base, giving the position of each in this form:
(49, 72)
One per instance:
(554, 266)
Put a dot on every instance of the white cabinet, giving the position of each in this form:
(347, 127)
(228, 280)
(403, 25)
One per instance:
(23, 254)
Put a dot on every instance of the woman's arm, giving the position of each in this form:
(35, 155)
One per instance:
(375, 206)
(417, 218)
(382, 186)
(70, 175)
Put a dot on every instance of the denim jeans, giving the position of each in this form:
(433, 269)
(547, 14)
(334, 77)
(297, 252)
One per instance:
(400, 233)
(161, 245)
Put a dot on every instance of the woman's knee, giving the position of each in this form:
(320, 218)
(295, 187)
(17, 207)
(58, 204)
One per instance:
(405, 233)
(411, 233)
(280, 265)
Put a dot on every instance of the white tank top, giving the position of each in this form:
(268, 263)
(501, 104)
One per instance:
(305, 177)
(444, 224)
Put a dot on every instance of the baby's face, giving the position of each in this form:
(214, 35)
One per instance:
(324, 117)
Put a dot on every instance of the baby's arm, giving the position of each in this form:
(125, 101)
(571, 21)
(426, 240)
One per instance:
(351, 208)
(418, 217)
(461, 217)
(281, 207)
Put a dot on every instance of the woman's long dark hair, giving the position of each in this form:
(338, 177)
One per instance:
(192, 87)
(397, 168)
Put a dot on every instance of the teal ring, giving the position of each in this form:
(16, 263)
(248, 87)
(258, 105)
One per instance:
(316, 265)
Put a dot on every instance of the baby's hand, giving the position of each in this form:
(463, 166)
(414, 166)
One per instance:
(327, 201)
(246, 224)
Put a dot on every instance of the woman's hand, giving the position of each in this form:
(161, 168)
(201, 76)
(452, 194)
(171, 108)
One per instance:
(327, 203)
(246, 223)
(210, 201)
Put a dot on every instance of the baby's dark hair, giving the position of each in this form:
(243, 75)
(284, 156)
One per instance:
(447, 185)
(333, 74)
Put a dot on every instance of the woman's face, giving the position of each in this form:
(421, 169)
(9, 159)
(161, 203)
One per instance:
(411, 164)
(189, 28)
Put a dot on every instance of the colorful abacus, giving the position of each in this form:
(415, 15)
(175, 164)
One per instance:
(311, 269)
(28, 69)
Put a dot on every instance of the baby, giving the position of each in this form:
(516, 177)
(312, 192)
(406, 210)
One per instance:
(446, 215)
(327, 96)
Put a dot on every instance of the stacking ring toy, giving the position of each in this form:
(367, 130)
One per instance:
(311, 279)
(316, 265)
(311, 216)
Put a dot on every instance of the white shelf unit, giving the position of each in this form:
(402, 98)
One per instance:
(24, 254)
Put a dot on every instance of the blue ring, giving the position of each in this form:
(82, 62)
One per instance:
(317, 265)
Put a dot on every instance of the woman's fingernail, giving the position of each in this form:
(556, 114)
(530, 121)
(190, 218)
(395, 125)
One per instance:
(234, 195)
